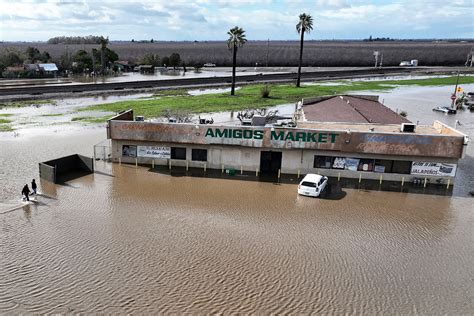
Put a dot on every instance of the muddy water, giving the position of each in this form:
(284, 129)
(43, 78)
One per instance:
(139, 242)
(130, 241)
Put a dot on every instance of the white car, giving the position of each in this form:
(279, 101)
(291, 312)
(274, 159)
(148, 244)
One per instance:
(312, 185)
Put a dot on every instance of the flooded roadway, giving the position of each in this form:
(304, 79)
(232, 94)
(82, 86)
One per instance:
(131, 241)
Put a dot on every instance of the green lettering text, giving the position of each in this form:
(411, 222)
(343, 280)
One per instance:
(279, 136)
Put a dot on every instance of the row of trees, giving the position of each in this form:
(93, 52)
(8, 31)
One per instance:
(91, 39)
(97, 60)
(237, 39)
(174, 60)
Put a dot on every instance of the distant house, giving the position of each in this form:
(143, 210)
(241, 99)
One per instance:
(146, 69)
(48, 68)
(31, 67)
(123, 65)
(14, 69)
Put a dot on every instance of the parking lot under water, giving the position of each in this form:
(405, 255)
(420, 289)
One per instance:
(126, 240)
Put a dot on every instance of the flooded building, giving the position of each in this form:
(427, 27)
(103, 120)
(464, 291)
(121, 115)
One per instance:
(336, 136)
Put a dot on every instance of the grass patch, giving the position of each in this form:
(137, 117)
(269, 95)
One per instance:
(90, 119)
(432, 81)
(6, 128)
(250, 96)
(5, 114)
(172, 92)
(50, 115)
(3, 121)
(25, 103)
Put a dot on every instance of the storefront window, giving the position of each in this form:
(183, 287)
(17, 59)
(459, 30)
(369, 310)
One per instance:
(352, 164)
(178, 153)
(322, 162)
(339, 163)
(199, 154)
(129, 150)
(365, 165)
(403, 167)
(383, 166)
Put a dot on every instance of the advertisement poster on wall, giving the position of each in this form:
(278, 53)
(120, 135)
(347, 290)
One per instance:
(352, 164)
(433, 169)
(339, 163)
(156, 152)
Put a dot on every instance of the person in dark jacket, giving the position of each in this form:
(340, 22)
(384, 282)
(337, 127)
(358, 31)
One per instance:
(26, 192)
(34, 186)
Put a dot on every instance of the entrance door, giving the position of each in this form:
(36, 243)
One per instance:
(270, 162)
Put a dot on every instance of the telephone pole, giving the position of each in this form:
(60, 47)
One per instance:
(268, 49)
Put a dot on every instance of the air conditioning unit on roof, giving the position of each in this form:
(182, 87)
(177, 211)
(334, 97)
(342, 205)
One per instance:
(408, 127)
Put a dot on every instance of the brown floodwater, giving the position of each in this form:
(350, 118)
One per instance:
(126, 240)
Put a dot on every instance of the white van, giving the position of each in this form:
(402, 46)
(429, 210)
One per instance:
(312, 185)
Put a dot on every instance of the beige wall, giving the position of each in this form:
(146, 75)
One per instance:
(293, 161)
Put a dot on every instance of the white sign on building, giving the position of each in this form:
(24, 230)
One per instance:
(433, 169)
(156, 152)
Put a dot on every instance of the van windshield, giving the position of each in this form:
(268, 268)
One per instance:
(308, 184)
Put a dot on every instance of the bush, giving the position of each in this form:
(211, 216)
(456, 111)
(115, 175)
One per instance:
(265, 91)
(403, 113)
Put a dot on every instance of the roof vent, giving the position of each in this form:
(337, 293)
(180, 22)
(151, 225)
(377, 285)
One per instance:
(408, 127)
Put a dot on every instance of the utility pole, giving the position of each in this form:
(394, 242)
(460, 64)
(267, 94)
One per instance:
(93, 62)
(268, 48)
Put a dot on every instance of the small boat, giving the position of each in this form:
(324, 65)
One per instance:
(445, 109)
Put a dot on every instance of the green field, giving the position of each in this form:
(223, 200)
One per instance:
(249, 96)
(19, 104)
(90, 119)
(5, 128)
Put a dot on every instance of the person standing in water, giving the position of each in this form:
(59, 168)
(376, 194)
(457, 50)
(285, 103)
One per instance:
(34, 186)
(26, 192)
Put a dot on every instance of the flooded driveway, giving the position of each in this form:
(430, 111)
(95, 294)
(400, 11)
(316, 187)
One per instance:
(127, 240)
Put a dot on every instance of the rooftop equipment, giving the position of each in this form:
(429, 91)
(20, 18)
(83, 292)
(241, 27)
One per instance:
(408, 127)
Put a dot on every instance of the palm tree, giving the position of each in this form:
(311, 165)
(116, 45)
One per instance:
(236, 39)
(305, 25)
(103, 45)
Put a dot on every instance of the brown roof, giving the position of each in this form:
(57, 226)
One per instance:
(351, 109)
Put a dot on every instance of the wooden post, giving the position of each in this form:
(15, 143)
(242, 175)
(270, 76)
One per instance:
(360, 177)
(187, 165)
(424, 184)
(120, 161)
(222, 168)
(338, 176)
(205, 166)
(403, 180)
(447, 186)
(136, 162)
(153, 163)
(279, 174)
(241, 170)
(256, 172)
(298, 173)
(381, 179)
(170, 164)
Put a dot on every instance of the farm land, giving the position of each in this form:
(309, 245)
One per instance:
(280, 53)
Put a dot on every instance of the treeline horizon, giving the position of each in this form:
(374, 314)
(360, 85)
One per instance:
(92, 39)
(274, 53)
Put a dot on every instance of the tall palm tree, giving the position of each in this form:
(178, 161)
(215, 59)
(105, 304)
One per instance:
(305, 25)
(103, 45)
(236, 39)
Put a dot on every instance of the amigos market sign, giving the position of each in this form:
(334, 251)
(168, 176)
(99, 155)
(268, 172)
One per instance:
(251, 134)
